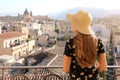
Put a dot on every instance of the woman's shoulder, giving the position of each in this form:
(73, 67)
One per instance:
(70, 43)
(100, 41)
(70, 40)
(100, 47)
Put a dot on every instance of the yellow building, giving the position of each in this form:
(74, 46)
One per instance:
(19, 27)
(15, 44)
(116, 36)
(63, 26)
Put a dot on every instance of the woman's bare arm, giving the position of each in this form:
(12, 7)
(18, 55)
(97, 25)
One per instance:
(66, 63)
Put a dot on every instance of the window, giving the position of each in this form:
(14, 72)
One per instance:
(15, 40)
(5, 44)
(19, 54)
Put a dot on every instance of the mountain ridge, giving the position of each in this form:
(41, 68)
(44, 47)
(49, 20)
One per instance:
(95, 12)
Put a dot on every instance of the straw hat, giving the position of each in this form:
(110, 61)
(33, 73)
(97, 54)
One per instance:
(81, 20)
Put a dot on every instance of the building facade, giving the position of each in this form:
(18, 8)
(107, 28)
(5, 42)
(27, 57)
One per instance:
(15, 44)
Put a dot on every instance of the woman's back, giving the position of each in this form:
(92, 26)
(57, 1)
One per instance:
(85, 49)
(77, 71)
(82, 51)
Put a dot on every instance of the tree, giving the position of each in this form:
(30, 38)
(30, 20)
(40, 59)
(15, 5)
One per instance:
(108, 57)
(57, 30)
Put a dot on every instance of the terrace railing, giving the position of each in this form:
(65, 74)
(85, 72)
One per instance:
(46, 73)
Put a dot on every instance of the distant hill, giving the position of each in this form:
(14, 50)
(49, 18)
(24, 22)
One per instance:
(9, 14)
(115, 12)
(95, 12)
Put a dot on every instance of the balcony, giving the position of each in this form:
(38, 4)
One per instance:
(45, 73)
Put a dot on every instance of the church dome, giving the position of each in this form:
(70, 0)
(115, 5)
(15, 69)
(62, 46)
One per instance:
(26, 12)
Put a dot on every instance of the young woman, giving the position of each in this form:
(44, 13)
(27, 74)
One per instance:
(84, 50)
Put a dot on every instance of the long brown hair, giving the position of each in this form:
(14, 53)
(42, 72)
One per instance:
(85, 49)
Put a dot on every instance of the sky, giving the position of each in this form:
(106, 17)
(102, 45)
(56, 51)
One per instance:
(44, 7)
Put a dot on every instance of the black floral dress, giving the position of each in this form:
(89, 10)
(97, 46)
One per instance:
(76, 71)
